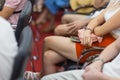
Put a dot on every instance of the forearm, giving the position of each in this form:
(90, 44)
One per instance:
(99, 20)
(87, 21)
(110, 25)
(113, 79)
(96, 21)
(111, 51)
(101, 4)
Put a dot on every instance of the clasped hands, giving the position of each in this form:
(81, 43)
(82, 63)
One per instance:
(87, 37)
(93, 71)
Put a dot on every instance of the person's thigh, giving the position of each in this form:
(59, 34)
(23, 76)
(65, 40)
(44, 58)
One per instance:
(67, 75)
(67, 18)
(62, 30)
(62, 45)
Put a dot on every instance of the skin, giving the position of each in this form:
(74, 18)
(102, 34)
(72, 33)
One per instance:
(73, 22)
(100, 3)
(58, 49)
(68, 18)
(71, 28)
(100, 30)
(6, 12)
(93, 71)
(62, 48)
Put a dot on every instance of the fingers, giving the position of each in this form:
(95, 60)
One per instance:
(86, 40)
(73, 30)
(70, 24)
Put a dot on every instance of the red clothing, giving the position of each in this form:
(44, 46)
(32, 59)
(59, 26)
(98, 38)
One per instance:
(106, 41)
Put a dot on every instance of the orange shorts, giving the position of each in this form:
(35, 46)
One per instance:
(106, 41)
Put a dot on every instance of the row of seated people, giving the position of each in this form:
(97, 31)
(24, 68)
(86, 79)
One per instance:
(49, 49)
(100, 30)
(49, 9)
(11, 12)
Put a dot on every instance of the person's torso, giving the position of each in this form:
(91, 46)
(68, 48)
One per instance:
(18, 5)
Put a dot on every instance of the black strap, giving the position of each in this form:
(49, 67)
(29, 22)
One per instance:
(16, 12)
(2, 2)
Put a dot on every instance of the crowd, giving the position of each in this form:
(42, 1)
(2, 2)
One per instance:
(95, 24)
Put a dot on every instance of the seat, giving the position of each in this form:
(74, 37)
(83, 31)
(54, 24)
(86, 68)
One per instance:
(24, 51)
(24, 19)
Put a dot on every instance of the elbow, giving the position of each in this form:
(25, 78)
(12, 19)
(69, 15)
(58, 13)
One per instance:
(98, 32)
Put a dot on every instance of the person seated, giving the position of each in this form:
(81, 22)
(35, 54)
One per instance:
(11, 11)
(105, 67)
(8, 48)
(71, 23)
(50, 9)
(58, 49)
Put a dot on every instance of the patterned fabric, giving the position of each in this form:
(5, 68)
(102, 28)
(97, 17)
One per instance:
(54, 5)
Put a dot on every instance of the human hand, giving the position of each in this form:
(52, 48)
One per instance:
(80, 23)
(96, 4)
(97, 65)
(73, 27)
(86, 38)
(92, 36)
(92, 74)
(100, 3)
(38, 6)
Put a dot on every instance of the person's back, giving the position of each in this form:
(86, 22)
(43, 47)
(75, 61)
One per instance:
(8, 49)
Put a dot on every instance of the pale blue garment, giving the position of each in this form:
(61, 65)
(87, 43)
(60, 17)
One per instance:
(54, 5)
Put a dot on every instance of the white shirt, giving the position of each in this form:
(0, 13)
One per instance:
(8, 49)
(113, 68)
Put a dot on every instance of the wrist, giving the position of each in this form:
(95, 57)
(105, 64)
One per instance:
(99, 59)
(99, 63)
(89, 29)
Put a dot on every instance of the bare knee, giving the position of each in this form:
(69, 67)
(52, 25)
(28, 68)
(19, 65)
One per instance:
(65, 19)
(60, 30)
(47, 42)
(48, 57)
(57, 30)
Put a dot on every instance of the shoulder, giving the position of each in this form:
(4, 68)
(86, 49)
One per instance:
(12, 3)
(5, 25)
